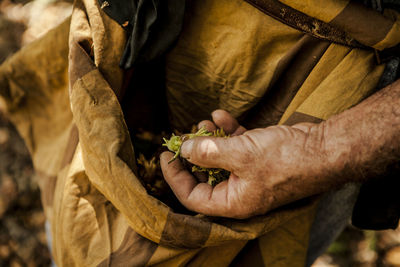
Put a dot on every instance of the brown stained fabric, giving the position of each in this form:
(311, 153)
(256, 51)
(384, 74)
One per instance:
(222, 255)
(71, 147)
(364, 24)
(291, 72)
(80, 45)
(133, 251)
(304, 23)
(80, 63)
(249, 256)
(185, 231)
(298, 117)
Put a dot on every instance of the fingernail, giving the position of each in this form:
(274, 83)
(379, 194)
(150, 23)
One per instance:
(186, 148)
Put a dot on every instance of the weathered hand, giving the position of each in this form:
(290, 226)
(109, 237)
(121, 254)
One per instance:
(269, 167)
(277, 165)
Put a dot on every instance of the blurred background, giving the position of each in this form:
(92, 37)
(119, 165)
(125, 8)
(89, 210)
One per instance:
(22, 236)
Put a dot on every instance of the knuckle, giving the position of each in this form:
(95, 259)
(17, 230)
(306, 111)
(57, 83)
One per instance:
(207, 149)
(203, 154)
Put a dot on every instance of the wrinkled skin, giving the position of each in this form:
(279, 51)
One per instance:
(277, 165)
(251, 156)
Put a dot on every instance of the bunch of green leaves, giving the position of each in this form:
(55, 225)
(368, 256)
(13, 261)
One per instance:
(215, 175)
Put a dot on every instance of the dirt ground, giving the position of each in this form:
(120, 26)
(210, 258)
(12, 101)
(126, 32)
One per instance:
(22, 236)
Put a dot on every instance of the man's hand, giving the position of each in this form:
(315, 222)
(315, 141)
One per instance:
(277, 165)
(269, 167)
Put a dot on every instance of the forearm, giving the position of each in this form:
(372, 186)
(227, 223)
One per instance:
(364, 141)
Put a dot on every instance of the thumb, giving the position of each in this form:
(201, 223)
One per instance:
(212, 152)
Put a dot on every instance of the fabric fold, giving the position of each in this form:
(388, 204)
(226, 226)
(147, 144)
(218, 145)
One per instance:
(152, 26)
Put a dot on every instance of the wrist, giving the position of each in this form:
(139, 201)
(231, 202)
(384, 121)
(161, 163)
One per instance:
(329, 156)
(340, 149)
(363, 141)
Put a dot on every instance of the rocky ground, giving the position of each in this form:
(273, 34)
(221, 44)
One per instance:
(22, 235)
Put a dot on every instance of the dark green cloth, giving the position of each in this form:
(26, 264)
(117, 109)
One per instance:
(152, 25)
